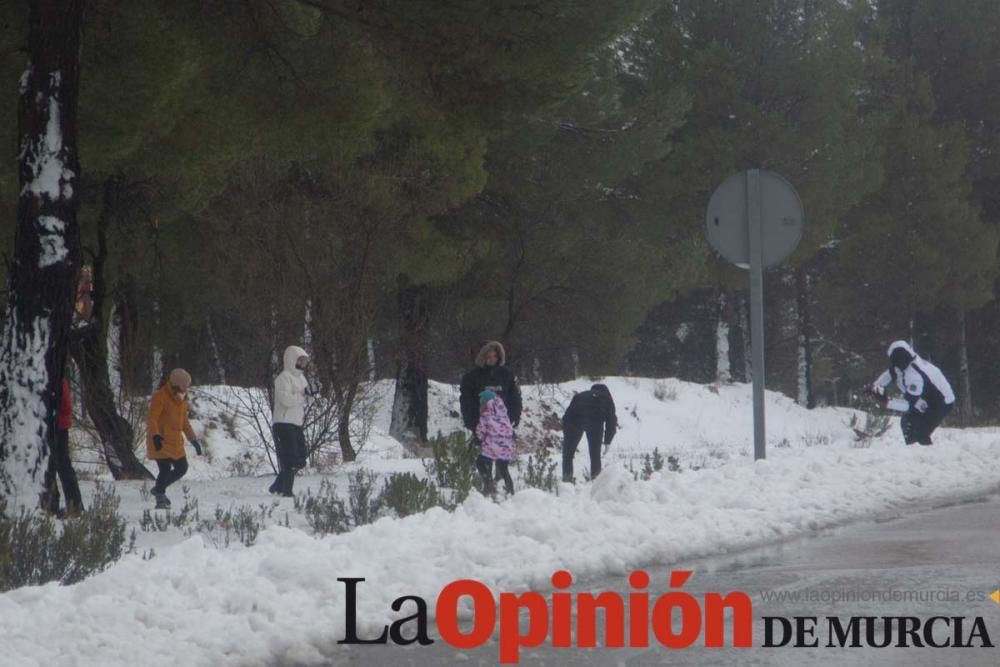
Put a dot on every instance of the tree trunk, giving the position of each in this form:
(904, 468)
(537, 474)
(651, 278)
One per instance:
(745, 337)
(220, 369)
(804, 395)
(346, 402)
(409, 405)
(90, 354)
(723, 374)
(132, 368)
(964, 378)
(46, 259)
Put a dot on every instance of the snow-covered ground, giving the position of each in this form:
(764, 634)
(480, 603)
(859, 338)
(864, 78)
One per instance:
(279, 601)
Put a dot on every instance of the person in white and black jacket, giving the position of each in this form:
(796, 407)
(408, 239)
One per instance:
(290, 390)
(923, 386)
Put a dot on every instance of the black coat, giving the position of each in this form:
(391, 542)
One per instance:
(592, 409)
(498, 379)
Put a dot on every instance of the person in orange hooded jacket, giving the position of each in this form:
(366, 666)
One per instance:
(166, 425)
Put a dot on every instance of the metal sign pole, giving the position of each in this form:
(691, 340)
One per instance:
(754, 220)
(756, 309)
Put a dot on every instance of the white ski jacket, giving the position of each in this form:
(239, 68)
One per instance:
(290, 390)
(921, 383)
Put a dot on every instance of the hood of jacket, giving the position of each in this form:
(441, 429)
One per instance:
(901, 354)
(485, 349)
(292, 354)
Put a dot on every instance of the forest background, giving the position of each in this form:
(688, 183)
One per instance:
(392, 183)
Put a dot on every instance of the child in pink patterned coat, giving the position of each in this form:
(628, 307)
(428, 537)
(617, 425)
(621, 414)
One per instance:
(496, 436)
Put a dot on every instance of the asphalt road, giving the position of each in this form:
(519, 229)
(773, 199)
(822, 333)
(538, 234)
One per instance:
(942, 561)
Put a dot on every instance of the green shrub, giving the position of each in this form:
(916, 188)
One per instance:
(540, 471)
(361, 499)
(407, 494)
(35, 549)
(651, 463)
(325, 512)
(453, 468)
(243, 523)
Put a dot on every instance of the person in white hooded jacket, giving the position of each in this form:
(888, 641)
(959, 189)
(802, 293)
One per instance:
(290, 388)
(924, 388)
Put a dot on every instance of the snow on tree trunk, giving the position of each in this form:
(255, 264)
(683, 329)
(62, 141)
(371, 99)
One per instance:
(307, 327)
(220, 370)
(965, 380)
(372, 375)
(747, 349)
(804, 395)
(156, 366)
(576, 362)
(113, 352)
(723, 374)
(46, 257)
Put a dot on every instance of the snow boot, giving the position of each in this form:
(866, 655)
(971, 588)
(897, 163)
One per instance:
(162, 502)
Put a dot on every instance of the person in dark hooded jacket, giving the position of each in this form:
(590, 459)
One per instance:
(591, 412)
(923, 386)
(489, 374)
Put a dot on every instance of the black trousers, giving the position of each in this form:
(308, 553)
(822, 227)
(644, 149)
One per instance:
(484, 465)
(290, 447)
(918, 426)
(171, 470)
(61, 467)
(571, 439)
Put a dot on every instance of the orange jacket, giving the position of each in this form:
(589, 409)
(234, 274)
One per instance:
(168, 416)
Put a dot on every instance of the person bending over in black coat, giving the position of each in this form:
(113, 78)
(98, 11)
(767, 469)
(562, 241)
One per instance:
(591, 412)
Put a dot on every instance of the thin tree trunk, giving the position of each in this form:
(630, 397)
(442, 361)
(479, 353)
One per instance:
(723, 374)
(346, 401)
(804, 395)
(964, 378)
(409, 405)
(47, 254)
(745, 331)
(132, 366)
(90, 354)
(220, 370)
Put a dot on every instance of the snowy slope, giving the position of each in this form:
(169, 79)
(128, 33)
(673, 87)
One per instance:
(279, 601)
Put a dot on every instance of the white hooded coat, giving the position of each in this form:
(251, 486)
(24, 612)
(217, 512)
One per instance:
(920, 380)
(290, 390)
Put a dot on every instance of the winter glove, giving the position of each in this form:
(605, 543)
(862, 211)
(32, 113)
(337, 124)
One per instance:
(920, 405)
(197, 447)
(157, 442)
(878, 393)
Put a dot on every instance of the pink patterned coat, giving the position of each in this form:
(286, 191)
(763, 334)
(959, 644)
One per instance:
(494, 431)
